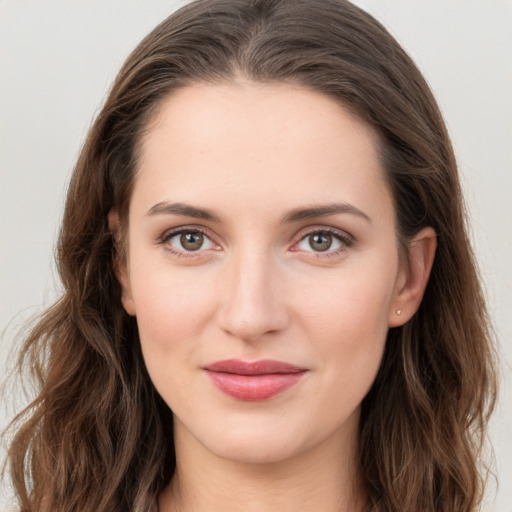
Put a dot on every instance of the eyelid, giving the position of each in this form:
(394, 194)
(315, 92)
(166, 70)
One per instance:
(168, 233)
(344, 237)
(191, 228)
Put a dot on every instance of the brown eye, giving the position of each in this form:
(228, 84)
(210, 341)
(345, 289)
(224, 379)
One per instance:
(187, 242)
(323, 241)
(192, 241)
(320, 242)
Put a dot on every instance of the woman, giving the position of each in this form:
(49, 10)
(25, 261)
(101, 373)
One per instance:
(270, 300)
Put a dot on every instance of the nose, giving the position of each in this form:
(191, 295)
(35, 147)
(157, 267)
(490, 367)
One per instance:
(252, 299)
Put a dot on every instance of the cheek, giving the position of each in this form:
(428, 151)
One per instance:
(347, 320)
(351, 300)
(171, 308)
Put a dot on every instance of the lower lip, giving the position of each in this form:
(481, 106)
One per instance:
(254, 387)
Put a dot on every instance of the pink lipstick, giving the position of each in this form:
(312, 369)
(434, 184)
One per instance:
(258, 380)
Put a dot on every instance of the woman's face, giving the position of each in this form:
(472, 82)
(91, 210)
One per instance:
(261, 230)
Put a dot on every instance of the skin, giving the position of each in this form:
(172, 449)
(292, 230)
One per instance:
(258, 288)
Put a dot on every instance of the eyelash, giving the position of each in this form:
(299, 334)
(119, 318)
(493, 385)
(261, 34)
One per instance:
(346, 240)
(179, 231)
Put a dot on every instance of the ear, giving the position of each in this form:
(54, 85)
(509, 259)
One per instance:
(121, 262)
(413, 277)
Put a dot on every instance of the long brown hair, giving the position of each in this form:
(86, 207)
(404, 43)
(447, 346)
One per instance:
(98, 436)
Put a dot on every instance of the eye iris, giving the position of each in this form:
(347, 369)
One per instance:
(191, 241)
(320, 241)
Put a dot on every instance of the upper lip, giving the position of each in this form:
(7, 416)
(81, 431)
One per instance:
(261, 367)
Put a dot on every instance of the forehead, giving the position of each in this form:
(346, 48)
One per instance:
(247, 139)
(239, 110)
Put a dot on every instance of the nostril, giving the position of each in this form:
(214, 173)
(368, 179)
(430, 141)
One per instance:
(249, 320)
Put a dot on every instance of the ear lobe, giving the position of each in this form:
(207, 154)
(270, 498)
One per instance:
(120, 263)
(413, 277)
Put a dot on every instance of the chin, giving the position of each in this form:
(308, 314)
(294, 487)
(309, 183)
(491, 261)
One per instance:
(256, 451)
(257, 443)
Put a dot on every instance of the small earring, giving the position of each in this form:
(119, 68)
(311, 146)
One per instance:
(398, 312)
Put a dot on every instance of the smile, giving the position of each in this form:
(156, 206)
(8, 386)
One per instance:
(253, 381)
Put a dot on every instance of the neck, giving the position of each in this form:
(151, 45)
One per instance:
(322, 478)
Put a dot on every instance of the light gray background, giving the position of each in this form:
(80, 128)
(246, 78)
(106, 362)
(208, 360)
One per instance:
(58, 58)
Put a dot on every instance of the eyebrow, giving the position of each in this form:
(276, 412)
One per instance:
(295, 215)
(312, 212)
(166, 208)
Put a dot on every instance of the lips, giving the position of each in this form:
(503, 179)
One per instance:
(253, 381)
